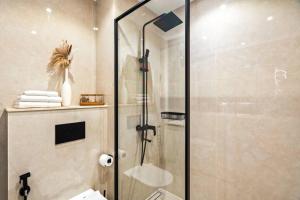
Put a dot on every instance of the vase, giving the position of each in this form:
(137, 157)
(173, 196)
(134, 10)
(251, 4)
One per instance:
(66, 91)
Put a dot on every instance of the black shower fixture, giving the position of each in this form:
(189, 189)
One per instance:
(168, 21)
(165, 22)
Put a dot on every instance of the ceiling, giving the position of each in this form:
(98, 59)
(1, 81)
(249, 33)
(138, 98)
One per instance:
(163, 6)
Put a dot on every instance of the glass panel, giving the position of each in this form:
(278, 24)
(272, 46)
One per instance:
(151, 102)
(245, 58)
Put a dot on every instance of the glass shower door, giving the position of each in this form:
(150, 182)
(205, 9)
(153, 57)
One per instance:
(151, 102)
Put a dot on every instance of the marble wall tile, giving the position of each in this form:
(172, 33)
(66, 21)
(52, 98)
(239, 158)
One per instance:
(28, 40)
(247, 147)
(28, 35)
(58, 171)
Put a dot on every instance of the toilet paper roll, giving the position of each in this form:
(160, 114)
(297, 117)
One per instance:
(106, 160)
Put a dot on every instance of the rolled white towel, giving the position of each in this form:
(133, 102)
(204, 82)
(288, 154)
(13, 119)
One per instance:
(41, 93)
(25, 98)
(36, 105)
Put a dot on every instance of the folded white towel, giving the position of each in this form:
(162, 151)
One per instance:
(41, 93)
(36, 105)
(25, 98)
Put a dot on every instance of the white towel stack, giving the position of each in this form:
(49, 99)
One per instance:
(38, 99)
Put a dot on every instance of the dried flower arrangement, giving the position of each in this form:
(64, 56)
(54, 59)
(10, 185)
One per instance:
(60, 60)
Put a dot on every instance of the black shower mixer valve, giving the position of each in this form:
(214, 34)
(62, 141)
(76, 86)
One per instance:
(145, 128)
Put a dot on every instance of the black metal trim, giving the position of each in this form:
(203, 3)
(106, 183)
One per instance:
(116, 94)
(116, 110)
(187, 97)
(132, 9)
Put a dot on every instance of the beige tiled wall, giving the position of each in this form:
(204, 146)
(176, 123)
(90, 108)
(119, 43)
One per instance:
(245, 100)
(58, 172)
(24, 55)
(27, 37)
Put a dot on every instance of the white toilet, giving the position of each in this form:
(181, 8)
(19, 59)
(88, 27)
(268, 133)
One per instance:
(89, 195)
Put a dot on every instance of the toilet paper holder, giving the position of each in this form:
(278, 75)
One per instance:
(106, 160)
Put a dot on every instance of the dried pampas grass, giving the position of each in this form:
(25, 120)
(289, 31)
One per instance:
(60, 60)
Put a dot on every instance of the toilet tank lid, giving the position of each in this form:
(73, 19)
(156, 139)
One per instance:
(96, 196)
(90, 194)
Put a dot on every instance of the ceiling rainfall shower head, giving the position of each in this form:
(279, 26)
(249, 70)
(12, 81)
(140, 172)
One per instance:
(168, 21)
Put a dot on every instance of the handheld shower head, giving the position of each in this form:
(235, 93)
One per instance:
(147, 53)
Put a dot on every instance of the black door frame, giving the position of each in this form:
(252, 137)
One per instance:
(187, 96)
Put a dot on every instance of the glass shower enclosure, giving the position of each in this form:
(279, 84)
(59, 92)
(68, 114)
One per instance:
(152, 101)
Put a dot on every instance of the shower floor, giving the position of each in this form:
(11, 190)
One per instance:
(161, 194)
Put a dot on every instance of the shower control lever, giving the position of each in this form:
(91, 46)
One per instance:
(152, 128)
(146, 127)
